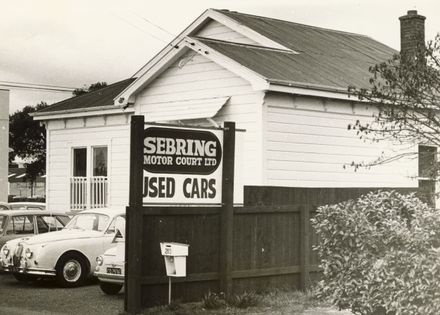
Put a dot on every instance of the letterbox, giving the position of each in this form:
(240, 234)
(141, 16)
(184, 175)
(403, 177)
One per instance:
(175, 258)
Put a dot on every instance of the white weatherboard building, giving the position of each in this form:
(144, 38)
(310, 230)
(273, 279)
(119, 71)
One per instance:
(284, 83)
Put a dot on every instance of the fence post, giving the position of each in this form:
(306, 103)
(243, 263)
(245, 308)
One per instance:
(227, 212)
(305, 246)
(133, 228)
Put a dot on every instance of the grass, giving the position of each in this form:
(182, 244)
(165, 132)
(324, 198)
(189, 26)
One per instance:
(274, 302)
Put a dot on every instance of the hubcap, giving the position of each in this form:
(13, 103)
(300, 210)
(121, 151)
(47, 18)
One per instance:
(72, 271)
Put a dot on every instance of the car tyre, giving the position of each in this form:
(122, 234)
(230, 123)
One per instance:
(110, 288)
(71, 270)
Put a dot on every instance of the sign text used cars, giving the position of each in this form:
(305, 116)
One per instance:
(182, 165)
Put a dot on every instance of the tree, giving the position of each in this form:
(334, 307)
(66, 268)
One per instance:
(27, 138)
(93, 87)
(406, 92)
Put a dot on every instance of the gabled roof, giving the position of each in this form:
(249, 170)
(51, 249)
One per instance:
(322, 57)
(288, 68)
(98, 98)
(290, 57)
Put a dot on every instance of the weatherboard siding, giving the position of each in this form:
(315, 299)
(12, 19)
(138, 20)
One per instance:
(195, 77)
(307, 144)
(216, 30)
(95, 131)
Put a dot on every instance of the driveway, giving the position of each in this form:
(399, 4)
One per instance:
(47, 298)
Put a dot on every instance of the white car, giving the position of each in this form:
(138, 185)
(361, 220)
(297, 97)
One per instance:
(68, 255)
(110, 268)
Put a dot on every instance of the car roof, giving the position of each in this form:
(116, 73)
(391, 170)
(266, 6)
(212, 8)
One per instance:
(26, 203)
(108, 211)
(30, 212)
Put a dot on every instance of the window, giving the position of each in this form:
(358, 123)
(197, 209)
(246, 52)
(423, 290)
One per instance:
(80, 162)
(427, 173)
(3, 219)
(21, 225)
(118, 221)
(427, 161)
(89, 222)
(49, 223)
(100, 161)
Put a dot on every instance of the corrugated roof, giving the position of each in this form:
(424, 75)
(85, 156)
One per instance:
(101, 97)
(325, 57)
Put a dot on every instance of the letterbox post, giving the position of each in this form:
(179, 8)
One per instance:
(227, 212)
(133, 242)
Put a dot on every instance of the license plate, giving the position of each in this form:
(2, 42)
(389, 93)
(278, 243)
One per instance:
(114, 271)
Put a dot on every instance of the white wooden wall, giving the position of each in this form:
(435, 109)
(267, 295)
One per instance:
(307, 144)
(216, 30)
(199, 78)
(111, 131)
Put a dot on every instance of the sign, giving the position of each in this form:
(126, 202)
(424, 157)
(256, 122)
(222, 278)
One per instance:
(182, 165)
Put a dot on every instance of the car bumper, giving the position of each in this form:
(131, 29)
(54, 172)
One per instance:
(29, 271)
(106, 277)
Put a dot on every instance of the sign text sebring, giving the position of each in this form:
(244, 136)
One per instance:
(192, 156)
(180, 151)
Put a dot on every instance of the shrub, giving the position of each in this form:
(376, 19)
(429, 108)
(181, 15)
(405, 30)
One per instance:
(244, 300)
(380, 254)
(213, 301)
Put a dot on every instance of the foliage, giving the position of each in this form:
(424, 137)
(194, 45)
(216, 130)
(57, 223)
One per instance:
(380, 254)
(406, 92)
(244, 300)
(93, 87)
(27, 138)
(213, 301)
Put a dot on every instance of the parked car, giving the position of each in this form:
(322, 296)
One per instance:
(4, 206)
(68, 255)
(25, 205)
(110, 269)
(23, 223)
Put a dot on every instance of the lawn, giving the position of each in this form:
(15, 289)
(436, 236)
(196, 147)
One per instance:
(276, 302)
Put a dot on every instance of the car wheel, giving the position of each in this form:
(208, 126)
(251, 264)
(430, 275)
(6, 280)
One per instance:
(22, 277)
(71, 271)
(110, 288)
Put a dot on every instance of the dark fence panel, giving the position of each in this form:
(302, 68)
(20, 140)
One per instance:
(272, 242)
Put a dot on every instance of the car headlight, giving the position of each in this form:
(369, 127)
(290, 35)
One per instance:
(99, 260)
(5, 251)
(28, 253)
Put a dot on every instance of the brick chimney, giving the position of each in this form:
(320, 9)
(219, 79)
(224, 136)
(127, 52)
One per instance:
(412, 32)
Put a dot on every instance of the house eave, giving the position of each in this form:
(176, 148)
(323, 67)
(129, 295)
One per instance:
(300, 88)
(82, 112)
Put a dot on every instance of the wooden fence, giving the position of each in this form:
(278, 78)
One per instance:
(272, 243)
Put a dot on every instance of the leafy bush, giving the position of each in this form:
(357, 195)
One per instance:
(213, 301)
(244, 300)
(380, 254)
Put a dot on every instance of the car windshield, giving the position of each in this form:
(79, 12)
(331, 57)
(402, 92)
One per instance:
(2, 223)
(89, 222)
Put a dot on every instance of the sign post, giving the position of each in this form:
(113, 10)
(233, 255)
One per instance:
(133, 242)
(173, 165)
(227, 213)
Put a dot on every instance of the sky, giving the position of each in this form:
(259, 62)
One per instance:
(74, 43)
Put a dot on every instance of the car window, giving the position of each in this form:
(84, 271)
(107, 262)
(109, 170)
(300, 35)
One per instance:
(89, 221)
(112, 227)
(21, 225)
(3, 220)
(47, 223)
